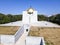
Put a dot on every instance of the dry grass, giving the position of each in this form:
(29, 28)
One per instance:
(50, 34)
(8, 30)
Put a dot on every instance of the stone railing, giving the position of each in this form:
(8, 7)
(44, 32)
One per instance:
(19, 33)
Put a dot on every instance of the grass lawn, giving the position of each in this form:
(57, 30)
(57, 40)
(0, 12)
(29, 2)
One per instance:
(50, 34)
(8, 30)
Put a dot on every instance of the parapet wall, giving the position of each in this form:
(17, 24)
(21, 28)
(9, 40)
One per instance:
(31, 40)
(19, 33)
(7, 39)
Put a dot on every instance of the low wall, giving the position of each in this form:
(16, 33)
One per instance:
(31, 40)
(42, 41)
(19, 33)
(7, 39)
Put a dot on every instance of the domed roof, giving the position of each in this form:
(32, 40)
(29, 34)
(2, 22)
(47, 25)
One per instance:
(30, 11)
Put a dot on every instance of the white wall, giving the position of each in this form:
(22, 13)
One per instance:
(19, 33)
(34, 17)
(30, 40)
(7, 39)
(25, 18)
(29, 18)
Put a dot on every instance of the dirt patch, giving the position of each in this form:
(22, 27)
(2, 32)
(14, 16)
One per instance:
(8, 30)
(50, 34)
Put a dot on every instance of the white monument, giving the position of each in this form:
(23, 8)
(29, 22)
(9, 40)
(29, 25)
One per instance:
(29, 16)
(21, 37)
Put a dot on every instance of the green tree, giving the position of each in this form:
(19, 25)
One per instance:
(42, 18)
(55, 19)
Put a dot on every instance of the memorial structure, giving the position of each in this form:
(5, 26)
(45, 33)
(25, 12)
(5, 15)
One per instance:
(16, 33)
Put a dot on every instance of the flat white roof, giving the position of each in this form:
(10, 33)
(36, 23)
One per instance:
(38, 23)
(17, 23)
(45, 24)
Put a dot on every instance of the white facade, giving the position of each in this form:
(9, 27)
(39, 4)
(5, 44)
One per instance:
(29, 18)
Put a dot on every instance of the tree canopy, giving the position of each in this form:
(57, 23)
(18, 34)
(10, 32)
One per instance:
(55, 18)
(9, 18)
(12, 18)
(42, 17)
